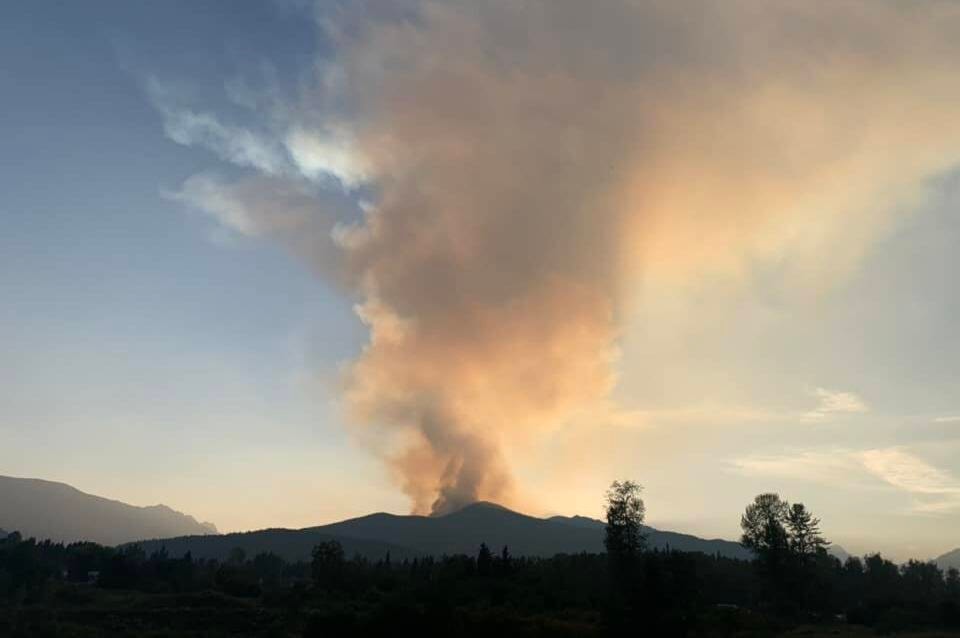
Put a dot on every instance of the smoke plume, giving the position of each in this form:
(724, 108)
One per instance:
(531, 167)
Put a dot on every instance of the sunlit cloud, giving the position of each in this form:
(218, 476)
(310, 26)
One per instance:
(833, 403)
(936, 490)
(832, 466)
(323, 153)
(947, 419)
(932, 489)
(277, 149)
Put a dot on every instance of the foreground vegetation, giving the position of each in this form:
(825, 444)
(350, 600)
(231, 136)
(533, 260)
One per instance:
(793, 588)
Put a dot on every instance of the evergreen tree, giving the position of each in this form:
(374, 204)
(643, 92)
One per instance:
(484, 560)
(625, 538)
(803, 531)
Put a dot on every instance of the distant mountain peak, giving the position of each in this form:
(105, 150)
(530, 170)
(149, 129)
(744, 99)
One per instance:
(60, 512)
(162, 509)
(949, 560)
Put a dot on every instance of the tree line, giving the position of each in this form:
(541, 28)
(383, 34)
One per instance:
(792, 577)
(792, 580)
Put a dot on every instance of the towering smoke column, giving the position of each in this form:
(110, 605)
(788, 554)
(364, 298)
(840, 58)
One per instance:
(530, 161)
(490, 266)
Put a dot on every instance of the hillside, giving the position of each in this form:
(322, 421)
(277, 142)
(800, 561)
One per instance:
(455, 533)
(46, 509)
(289, 544)
(660, 539)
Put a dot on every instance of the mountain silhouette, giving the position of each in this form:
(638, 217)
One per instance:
(839, 552)
(459, 532)
(59, 512)
(949, 560)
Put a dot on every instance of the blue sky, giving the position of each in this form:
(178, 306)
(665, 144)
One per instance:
(135, 346)
(200, 308)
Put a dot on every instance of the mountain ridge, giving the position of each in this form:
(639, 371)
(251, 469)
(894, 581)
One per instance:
(55, 516)
(459, 532)
(60, 512)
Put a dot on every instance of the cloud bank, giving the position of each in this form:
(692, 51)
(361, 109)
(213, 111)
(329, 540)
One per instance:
(527, 167)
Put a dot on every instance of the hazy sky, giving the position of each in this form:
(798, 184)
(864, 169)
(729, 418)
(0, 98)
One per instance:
(276, 263)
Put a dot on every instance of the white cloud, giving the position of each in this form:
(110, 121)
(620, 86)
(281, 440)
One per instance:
(833, 466)
(235, 144)
(947, 419)
(291, 211)
(932, 489)
(206, 193)
(936, 490)
(320, 154)
(831, 403)
(280, 148)
(258, 206)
